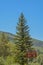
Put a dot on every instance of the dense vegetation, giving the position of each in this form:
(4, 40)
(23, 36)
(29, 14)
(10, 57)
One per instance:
(13, 48)
(9, 49)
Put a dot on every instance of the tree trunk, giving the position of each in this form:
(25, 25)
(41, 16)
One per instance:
(22, 63)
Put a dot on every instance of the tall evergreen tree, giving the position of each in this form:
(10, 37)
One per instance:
(23, 40)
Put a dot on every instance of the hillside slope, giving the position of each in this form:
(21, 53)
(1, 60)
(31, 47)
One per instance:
(37, 43)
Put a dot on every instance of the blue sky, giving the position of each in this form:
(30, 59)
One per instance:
(33, 11)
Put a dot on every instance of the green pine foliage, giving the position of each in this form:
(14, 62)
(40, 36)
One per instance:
(23, 40)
